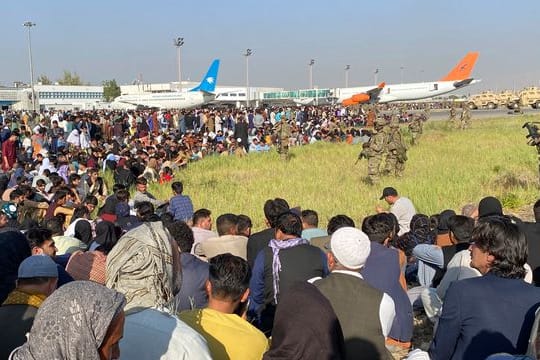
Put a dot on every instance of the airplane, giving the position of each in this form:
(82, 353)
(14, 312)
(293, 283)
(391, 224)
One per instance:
(199, 95)
(457, 78)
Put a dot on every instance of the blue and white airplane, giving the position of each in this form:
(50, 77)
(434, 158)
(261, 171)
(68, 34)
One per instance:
(199, 95)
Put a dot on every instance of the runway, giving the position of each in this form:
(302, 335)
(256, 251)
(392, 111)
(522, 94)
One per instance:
(482, 114)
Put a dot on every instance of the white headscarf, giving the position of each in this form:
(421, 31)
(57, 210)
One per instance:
(46, 165)
(74, 138)
(140, 266)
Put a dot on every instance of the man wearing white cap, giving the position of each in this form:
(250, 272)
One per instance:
(365, 313)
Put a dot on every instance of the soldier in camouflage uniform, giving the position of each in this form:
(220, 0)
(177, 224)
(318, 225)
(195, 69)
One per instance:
(283, 131)
(452, 118)
(397, 152)
(416, 128)
(403, 111)
(376, 150)
(394, 117)
(427, 112)
(465, 117)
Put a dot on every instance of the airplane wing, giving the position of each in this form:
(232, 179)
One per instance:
(374, 93)
(368, 96)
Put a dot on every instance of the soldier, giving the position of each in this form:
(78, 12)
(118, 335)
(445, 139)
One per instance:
(465, 117)
(416, 128)
(283, 131)
(533, 138)
(397, 152)
(403, 111)
(394, 117)
(453, 113)
(517, 108)
(376, 150)
(426, 112)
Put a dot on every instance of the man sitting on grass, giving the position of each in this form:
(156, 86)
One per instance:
(180, 206)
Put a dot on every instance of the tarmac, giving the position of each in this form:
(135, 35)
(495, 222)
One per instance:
(482, 114)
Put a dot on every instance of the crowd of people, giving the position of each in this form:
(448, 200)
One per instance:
(165, 285)
(177, 136)
(91, 270)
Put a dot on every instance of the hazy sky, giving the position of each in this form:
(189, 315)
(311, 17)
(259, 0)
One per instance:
(121, 39)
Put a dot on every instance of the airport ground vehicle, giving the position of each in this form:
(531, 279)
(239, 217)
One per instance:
(486, 99)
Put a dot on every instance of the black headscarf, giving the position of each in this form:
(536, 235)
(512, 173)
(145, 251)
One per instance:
(305, 327)
(106, 236)
(489, 206)
(83, 231)
(13, 250)
(420, 233)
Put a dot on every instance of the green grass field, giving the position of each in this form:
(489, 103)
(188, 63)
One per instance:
(448, 169)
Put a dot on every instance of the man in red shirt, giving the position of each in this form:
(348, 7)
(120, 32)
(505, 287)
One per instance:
(9, 151)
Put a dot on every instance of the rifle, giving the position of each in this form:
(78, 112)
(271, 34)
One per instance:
(533, 136)
(363, 153)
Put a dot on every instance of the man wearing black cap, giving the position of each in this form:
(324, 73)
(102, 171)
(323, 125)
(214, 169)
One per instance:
(401, 207)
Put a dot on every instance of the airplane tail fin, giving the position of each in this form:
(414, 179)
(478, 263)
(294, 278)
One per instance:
(463, 69)
(208, 83)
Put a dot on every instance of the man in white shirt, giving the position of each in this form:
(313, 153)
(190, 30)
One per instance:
(202, 230)
(401, 207)
(228, 241)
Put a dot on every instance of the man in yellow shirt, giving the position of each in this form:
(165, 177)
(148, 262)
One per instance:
(222, 323)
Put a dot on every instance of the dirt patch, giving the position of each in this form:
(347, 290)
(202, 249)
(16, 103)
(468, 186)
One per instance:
(525, 213)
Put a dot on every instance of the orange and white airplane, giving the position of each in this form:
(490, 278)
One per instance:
(457, 78)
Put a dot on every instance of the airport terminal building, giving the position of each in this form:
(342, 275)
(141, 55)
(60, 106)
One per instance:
(52, 97)
(88, 97)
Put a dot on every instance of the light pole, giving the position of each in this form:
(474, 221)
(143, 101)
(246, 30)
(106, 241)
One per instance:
(311, 63)
(402, 68)
(347, 68)
(29, 25)
(248, 53)
(375, 75)
(178, 42)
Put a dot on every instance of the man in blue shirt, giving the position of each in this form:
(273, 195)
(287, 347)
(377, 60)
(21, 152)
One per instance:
(180, 206)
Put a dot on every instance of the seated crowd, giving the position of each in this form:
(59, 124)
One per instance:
(150, 279)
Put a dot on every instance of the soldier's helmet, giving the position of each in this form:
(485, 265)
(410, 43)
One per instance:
(380, 122)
